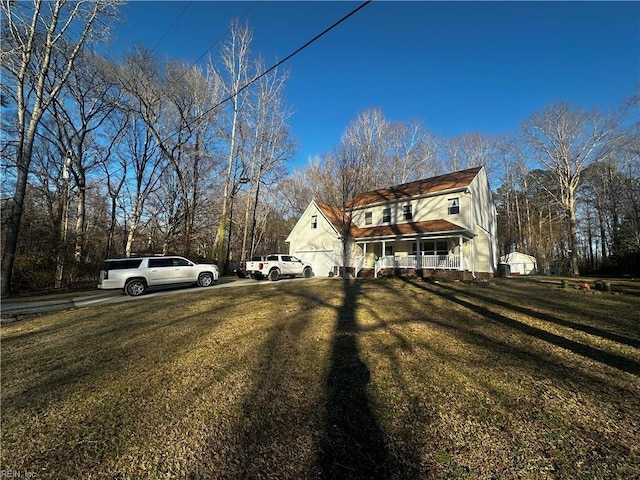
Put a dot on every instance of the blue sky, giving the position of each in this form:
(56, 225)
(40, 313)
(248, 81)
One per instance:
(459, 67)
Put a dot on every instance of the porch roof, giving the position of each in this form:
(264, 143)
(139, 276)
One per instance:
(411, 230)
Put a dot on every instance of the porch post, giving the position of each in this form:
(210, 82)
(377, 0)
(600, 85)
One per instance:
(364, 255)
(418, 254)
(460, 243)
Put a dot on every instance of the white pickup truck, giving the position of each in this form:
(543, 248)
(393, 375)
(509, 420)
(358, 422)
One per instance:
(275, 266)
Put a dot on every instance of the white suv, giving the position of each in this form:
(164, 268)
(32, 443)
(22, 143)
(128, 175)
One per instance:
(135, 275)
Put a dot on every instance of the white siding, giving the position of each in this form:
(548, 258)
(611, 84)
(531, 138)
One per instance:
(423, 209)
(319, 246)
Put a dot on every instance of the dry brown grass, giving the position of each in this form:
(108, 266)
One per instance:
(324, 379)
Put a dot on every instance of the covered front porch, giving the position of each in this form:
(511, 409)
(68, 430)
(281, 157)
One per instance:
(416, 255)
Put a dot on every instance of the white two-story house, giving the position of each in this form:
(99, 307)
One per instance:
(439, 226)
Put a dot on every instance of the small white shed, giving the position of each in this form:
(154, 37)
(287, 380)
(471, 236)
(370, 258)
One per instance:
(520, 263)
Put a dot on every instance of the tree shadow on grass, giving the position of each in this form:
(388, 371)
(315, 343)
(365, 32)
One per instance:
(611, 359)
(353, 445)
(599, 332)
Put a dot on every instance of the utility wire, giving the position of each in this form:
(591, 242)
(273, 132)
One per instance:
(276, 65)
(171, 27)
(288, 56)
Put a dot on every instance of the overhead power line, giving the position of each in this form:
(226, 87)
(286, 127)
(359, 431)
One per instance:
(258, 77)
(171, 26)
(273, 67)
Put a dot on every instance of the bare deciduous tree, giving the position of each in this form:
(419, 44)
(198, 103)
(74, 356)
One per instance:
(271, 147)
(235, 61)
(34, 36)
(565, 139)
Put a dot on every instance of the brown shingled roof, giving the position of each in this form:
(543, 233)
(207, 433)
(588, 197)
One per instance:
(334, 214)
(420, 187)
(427, 227)
(449, 181)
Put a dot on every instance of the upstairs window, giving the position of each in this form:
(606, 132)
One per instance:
(453, 206)
(407, 212)
(314, 221)
(368, 218)
(386, 215)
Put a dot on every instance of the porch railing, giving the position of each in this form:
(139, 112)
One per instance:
(417, 262)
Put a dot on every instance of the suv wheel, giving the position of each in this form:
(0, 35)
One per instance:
(205, 280)
(307, 272)
(135, 287)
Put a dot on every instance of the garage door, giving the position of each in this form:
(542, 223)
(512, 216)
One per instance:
(321, 261)
(517, 268)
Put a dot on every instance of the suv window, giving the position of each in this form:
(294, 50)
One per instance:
(121, 264)
(286, 258)
(181, 262)
(272, 258)
(160, 262)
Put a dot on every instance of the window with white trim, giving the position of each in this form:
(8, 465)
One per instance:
(314, 221)
(407, 212)
(433, 248)
(386, 215)
(368, 218)
(453, 206)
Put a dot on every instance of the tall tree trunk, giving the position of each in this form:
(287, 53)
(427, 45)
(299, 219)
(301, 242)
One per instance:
(81, 212)
(573, 237)
(221, 235)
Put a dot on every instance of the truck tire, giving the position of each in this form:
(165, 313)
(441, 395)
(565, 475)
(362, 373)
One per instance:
(135, 287)
(205, 279)
(307, 272)
(274, 275)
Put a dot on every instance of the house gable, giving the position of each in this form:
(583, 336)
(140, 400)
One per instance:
(303, 227)
(318, 244)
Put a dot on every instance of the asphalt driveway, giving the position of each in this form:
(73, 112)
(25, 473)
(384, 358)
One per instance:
(16, 308)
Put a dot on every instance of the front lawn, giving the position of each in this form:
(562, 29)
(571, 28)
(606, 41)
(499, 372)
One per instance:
(319, 378)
